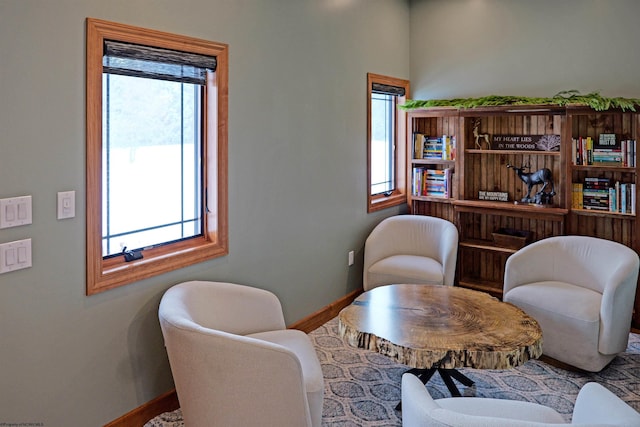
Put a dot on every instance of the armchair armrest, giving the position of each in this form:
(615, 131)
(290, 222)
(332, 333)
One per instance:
(449, 253)
(617, 303)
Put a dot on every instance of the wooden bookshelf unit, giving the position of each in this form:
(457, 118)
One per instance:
(433, 123)
(483, 170)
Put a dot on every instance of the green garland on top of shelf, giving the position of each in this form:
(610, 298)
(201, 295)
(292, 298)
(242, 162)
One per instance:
(593, 100)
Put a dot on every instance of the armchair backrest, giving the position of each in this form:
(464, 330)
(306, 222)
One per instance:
(411, 235)
(420, 235)
(584, 261)
(595, 407)
(227, 307)
(420, 409)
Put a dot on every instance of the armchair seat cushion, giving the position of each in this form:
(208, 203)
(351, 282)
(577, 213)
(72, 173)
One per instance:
(406, 269)
(568, 314)
(563, 301)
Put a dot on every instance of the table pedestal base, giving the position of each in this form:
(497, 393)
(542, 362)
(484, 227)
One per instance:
(448, 375)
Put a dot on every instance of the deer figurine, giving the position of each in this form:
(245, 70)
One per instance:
(542, 176)
(477, 135)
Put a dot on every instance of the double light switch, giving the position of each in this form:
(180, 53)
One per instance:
(15, 211)
(15, 255)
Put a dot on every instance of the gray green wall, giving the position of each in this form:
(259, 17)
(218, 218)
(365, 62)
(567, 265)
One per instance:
(468, 48)
(297, 153)
(297, 184)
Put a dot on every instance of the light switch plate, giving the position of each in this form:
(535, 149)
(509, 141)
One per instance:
(15, 255)
(66, 204)
(15, 211)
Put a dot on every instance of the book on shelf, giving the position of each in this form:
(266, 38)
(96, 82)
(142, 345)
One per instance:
(595, 193)
(614, 193)
(437, 148)
(449, 147)
(432, 182)
(600, 194)
(629, 152)
(606, 151)
(432, 148)
(583, 149)
(418, 145)
(626, 196)
(576, 195)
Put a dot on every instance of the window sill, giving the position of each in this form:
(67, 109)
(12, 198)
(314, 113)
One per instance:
(377, 203)
(114, 272)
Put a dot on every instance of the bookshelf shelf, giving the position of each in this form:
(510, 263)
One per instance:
(602, 213)
(597, 169)
(511, 208)
(536, 153)
(486, 245)
(434, 199)
(450, 163)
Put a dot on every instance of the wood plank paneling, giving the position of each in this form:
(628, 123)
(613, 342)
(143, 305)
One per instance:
(481, 265)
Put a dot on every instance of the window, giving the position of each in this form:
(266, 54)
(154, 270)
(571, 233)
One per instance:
(156, 153)
(386, 134)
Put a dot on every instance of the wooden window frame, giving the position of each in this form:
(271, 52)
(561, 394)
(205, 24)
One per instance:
(104, 274)
(399, 195)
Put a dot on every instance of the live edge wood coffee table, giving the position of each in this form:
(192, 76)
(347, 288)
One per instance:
(441, 328)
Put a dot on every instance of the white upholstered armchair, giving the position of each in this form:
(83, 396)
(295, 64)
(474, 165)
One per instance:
(233, 361)
(414, 249)
(581, 291)
(595, 407)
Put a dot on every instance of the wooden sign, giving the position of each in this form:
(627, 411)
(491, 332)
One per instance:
(547, 142)
(500, 196)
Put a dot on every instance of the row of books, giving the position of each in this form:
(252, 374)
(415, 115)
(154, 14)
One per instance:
(606, 151)
(432, 182)
(601, 194)
(438, 148)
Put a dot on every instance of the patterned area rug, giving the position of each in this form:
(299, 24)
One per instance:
(362, 388)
